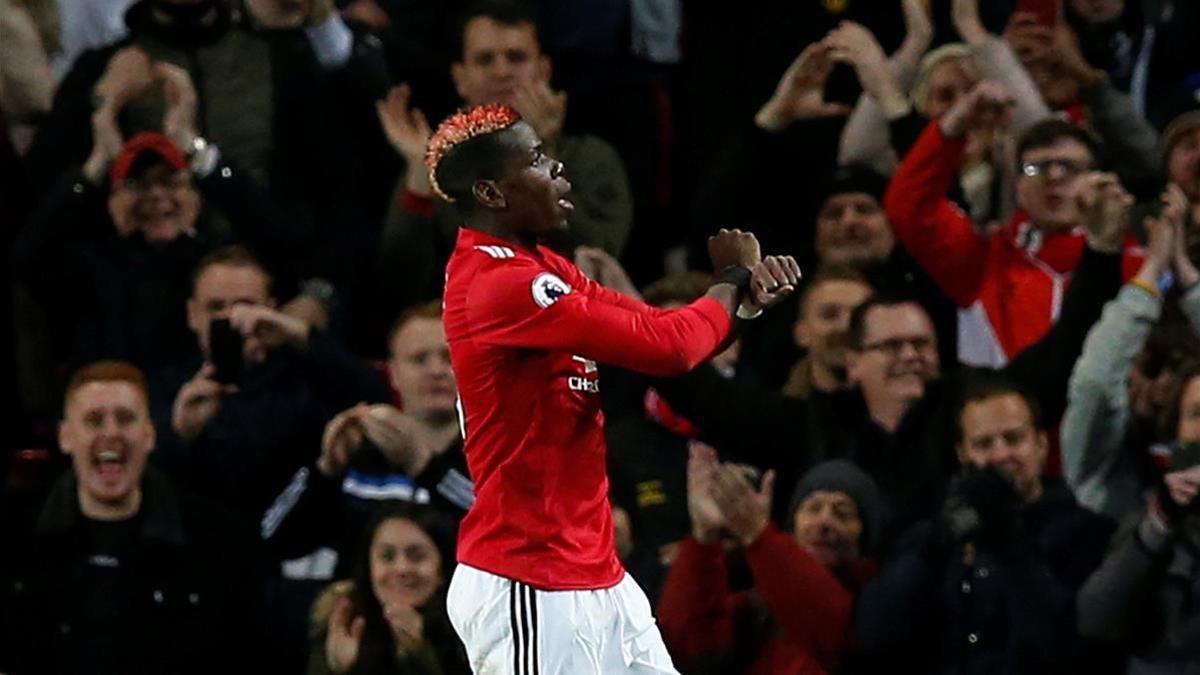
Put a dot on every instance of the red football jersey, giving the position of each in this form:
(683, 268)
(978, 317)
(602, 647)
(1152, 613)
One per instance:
(526, 329)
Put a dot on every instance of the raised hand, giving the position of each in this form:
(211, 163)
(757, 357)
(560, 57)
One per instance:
(406, 127)
(965, 15)
(128, 74)
(106, 147)
(918, 26)
(179, 121)
(706, 515)
(1031, 39)
(800, 93)
(987, 106)
(1104, 209)
(1064, 49)
(198, 402)
(407, 624)
(543, 108)
(270, 327)
(344, 637)
(401, 438)
(1175, 212)
(746, 510)
(851, 43)
(343, 436)
(408, 131)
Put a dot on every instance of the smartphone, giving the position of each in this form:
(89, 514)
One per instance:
(225, 351)
(1046, 11)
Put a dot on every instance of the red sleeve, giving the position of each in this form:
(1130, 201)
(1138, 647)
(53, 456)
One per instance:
(519, 303)
(937, 234)
(807, 601)
(696, 611)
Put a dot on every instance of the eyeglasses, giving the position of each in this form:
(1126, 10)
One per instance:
(893, 347)
(1066, 168)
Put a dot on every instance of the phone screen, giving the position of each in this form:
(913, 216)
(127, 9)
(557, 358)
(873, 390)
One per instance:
(225, 350)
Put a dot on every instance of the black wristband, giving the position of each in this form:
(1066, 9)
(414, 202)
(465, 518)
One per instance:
(737, 275)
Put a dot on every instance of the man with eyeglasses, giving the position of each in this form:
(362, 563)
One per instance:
(109, 253)
(1008, 282)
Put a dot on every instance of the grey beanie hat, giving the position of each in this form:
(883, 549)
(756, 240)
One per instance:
(839, 475)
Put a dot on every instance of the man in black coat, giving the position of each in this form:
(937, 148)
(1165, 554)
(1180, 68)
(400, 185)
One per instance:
(117, 571)
(988, 586)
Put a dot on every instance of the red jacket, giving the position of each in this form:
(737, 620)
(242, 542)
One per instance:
(810, 607)
(1009, 285)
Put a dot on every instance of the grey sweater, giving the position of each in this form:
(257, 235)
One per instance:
(1098, 416)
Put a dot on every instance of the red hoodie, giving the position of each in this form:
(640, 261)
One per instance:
(1009, 285)
(700, 615)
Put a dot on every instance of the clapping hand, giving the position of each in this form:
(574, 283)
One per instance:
(746, 510)
(800, 93)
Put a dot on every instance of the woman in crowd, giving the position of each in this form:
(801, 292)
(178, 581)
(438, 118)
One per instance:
(390, 617)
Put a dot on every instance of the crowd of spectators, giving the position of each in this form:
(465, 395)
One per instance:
(970, 444)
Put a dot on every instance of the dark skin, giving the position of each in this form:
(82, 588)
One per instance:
(529, 203)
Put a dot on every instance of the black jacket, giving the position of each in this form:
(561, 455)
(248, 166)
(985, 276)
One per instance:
(184, 594)
(929, 611)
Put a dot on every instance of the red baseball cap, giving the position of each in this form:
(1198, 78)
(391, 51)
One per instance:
(140, 144)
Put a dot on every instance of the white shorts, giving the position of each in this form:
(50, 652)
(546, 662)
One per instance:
(511, 629)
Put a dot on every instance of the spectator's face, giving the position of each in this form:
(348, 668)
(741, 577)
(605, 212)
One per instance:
(1050, 198)
(947, 83)
(420, 368)
(999, 432)
(824, 318)
(829, 528)
(406, 566)
(498, 61)
(1183, 166)
(160, 203)
(1098, 11)
(898, 355)
(217, 290)
(1189, 412)
(535, 187)
(108, 434)
(853, 230)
